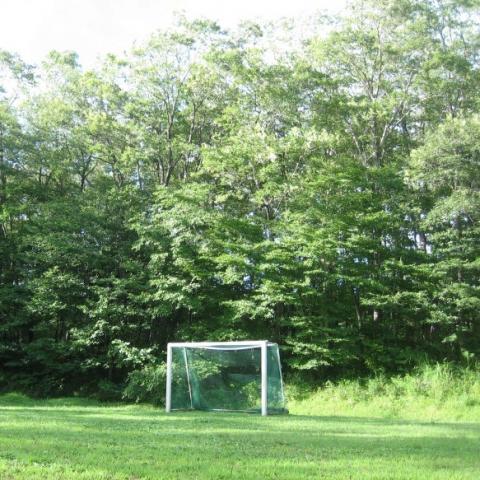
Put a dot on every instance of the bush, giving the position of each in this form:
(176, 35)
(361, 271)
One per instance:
(108, 391)
(146, 385)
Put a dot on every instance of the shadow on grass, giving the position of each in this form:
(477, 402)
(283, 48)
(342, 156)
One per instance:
(14, 399)
(113, 413)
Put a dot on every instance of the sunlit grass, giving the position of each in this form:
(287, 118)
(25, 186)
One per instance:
(80, 439)
(432, 393)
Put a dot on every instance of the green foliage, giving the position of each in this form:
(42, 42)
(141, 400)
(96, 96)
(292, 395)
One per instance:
(146, 385)
(324, 195)
(446, 170)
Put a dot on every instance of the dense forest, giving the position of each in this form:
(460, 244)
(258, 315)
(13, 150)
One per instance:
(316, 184)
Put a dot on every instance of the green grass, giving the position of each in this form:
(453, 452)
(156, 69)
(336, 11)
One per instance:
(82, 439)
(432, 393)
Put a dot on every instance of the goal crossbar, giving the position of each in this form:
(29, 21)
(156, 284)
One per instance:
(243, 343)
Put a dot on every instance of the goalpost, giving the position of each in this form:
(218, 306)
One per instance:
(225, 376)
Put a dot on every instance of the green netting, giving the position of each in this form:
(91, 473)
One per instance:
(275, 396)
(225, 378)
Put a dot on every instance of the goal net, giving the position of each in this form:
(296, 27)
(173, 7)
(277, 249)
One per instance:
(228, 376)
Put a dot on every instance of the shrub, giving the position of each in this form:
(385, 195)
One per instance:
(146, 385)
(108, 391)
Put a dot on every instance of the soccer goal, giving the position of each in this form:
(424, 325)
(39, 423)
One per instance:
(225, 376)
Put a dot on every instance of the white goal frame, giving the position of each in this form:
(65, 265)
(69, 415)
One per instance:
(261, 344)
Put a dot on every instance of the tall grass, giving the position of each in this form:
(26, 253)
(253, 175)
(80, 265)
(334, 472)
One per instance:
(431, 393)
(439, 392)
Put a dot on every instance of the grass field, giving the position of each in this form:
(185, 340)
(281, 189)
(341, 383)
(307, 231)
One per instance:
(81, 439)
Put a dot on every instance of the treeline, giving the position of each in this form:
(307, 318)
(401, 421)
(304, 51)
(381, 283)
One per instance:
(321, 191)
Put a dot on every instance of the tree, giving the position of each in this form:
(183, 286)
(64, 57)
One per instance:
(446, 168)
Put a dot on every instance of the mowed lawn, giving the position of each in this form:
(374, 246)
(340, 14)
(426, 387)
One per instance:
(79, 439)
